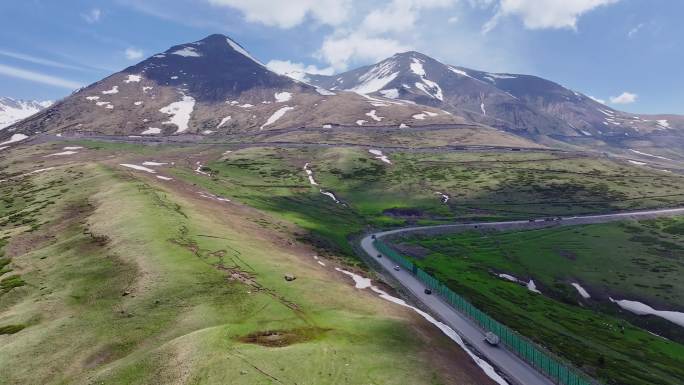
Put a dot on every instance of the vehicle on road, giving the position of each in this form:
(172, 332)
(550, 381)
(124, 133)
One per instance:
(379, 255)
(397, 268)
(428, 291)
(492, 339)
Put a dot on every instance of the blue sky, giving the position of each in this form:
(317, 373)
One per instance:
(630, 51)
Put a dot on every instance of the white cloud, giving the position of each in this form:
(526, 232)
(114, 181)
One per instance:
(597, 99)
(133, 53)
(540, 14)
(38, 60)
(287, 14)
(339, 50)
(297, 70)
(635, 30)
(399, 15)
(92, 16)
(624, 98)
(38, 77)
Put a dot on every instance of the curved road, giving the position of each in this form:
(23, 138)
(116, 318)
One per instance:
(515, 369)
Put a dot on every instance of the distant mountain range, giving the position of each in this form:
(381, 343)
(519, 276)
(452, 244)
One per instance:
(215, 87)
(15, 110)
(518, 103)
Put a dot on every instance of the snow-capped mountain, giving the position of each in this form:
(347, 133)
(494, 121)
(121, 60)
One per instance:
(519, 103)
(212, 87)
(14, 110)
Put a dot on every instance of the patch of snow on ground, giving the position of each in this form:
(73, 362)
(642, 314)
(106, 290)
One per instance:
(145, 89)
(72, 148)
(444, 197)
(419, 116)
(14, 139)
(92, 97)
(212, 196)
(364, 283)
(501, 76)
(224, 121)
(153, 163)
(180, 112)
(647, 154)
(319, 261)
(391, 93)
(133, 79)
(663, 123)
(580, 290)
(276, 115)
(309, 174)
(379, 155)
(360, 122)
(187, 52)
(174, 77)
(374, 116)
(331, 195)
(403, 125)
(327, 126)
(137, 167)
(138, 103)
(114, 90)
(62, 153)
(531, 286)
(151, 131)
(198, 169)
(643, 309)
(164, 177)
(508, 277)
(586, 133)
(246, 105)
(482, 107)
(281, 97)
(637, 163)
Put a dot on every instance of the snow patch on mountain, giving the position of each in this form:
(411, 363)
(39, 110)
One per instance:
(114, 90)
(428, 86)
(187, 52)
(224, 121)
(324, 92)
(180, 112)
(281, 97)
(133, 79)
(243, 51)
(391, 93)
(276, 115)
(376, 79)
(14, 139)
(373, 115)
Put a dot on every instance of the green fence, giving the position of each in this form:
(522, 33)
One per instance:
(527, 350)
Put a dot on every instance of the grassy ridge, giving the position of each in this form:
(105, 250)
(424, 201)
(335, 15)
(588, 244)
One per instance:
(126, 291)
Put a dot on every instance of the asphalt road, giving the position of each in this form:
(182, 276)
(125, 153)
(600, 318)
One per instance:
(513, 368)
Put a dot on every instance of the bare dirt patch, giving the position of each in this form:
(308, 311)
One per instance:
(280, 338)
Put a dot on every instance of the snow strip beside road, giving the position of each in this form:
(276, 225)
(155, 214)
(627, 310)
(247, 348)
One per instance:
(365, 283)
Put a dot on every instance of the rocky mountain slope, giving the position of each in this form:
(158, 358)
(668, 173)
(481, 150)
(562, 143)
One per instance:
(14, 110)
(519, 103)
(213, 87)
